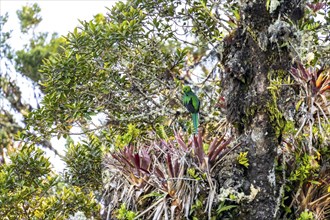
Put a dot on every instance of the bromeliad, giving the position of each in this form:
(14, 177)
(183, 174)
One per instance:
(192, 103)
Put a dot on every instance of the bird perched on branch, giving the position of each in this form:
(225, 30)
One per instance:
(192, 103)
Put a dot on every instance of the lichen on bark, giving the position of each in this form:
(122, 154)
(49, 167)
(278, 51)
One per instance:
(251, 57)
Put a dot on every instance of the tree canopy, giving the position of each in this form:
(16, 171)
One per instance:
(261, 70)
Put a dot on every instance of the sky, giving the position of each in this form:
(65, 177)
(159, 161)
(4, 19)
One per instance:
(57, 16)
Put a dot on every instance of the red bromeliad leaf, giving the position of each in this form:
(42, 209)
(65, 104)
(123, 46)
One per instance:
(118, 159)
(160, 175)
(136, 160)
(214, 145)
(170, 166)
(220, 147)
(181, 142)
(294, 72)
(133, 162)
(200, 141)
(304, 74)
(122, 159)
(160, 165)
(199, 151)
(128, 153)
(176, 168)
(316, 7)
(318, 79)
(146, 160)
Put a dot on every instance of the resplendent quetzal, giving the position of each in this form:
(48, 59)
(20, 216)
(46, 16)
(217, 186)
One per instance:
(192, 103)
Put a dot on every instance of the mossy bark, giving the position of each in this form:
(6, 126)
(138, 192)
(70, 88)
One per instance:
(252, 54)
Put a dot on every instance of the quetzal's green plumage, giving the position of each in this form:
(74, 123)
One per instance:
(192, 103)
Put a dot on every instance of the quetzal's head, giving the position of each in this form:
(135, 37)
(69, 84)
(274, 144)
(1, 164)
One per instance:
(186, 89)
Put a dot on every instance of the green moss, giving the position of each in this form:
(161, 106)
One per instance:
(250, 111)
(275, 117)
(276, 79)
(125, 214)
(320, 132)
(306, 215)
(289, 128)
(307, 166)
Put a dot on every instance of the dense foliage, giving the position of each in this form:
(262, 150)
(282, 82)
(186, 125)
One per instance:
(118, 79)
(29, 186)
(29, 189)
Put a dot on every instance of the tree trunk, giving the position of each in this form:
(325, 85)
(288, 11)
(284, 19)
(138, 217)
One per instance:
(252, 55)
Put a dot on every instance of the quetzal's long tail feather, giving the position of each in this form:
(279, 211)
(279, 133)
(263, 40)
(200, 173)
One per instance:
(195, 122)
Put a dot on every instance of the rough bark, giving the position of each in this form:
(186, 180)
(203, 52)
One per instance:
(251, 56)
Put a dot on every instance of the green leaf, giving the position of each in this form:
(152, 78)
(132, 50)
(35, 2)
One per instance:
(243, 160)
